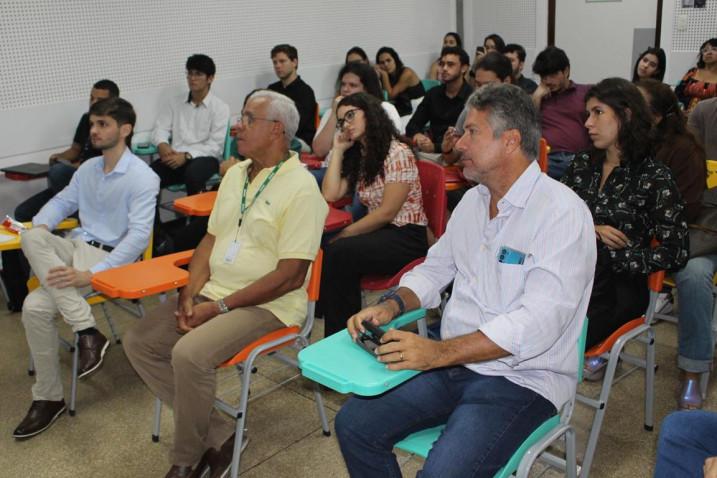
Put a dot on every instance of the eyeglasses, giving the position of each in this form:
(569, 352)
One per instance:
(248, 119)
(348, 118)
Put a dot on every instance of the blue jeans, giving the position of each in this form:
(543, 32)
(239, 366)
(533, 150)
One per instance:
(687, 438)
(59, 176)
(694, 294)
(558, 162)
(486, 419)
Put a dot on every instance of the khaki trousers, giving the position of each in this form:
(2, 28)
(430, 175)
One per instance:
(44, 251)
(180, 370)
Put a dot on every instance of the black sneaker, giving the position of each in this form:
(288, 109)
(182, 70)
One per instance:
(40, 417)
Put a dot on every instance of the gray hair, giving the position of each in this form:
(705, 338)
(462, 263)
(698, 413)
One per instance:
(509, 107)
(281, 108)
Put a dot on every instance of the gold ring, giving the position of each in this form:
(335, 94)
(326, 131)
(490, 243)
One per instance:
(401, 356)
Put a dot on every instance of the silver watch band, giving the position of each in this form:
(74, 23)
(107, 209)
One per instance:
(223, 309)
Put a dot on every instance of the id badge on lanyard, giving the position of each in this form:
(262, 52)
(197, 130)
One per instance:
(231, 254)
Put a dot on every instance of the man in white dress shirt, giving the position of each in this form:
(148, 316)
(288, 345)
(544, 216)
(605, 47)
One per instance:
(197, 125)
(520, 251)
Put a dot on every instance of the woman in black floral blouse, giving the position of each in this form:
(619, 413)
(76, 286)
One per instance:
(632, 198)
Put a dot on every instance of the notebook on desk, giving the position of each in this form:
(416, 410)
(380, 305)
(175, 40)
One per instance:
(26, 170)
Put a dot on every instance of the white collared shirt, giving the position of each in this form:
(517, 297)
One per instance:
(535, 311)
(199, 130)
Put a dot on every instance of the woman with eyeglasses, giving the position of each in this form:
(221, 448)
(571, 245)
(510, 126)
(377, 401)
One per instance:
(633, 198)
(650, 65)
(700, 83)
(368, 158)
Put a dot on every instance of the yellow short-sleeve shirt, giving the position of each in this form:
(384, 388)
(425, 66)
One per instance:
(285, 222)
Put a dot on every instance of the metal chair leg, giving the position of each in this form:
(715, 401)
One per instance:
(111, 324)
(75, 365)
(157, 419)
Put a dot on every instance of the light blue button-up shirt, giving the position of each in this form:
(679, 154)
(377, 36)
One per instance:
(116, 209)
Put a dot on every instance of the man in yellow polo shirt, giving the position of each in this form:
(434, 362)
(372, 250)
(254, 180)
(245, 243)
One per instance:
(247, 278)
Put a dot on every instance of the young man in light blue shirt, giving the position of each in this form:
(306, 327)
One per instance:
(115, 195)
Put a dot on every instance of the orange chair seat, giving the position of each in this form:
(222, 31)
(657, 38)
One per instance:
(606, 345)
(270, 337)
(196, 204)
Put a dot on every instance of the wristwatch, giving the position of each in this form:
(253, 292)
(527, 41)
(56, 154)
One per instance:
(393, 295)
(223, 309)
(187, 156)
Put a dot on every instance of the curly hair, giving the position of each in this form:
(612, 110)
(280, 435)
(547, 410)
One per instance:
(634, 136)
(365, 163)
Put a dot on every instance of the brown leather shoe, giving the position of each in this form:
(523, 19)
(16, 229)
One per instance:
(92, 352)
(40, 417)
(179, 472)
(220, 461)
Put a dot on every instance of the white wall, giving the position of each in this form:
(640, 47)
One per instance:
(53, 50)
(597, 36)
(517, 21)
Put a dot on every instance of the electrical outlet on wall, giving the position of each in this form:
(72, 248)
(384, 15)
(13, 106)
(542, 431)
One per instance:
(681, 22)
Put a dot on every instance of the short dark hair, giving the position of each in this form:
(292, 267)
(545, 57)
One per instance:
(459, 52)
(201, 63)
(661, 60)
(549, 61)
(634, 137)
(498, 64)
(499, 43)
(119, 110)
(394, 55)
(457, 36)
(356, 50)
(108, 85)
(700, 61)
(287, 49)
(367, 76)
(515, 48)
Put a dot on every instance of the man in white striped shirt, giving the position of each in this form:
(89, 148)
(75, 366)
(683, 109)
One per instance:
(520, 251)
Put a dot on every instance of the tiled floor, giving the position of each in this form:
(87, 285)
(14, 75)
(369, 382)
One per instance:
(110, 435)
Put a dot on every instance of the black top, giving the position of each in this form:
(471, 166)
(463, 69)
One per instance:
(82, 137)
(639, 199)
(440, 110)
(528, 85)
(403, 101)
(305, 101)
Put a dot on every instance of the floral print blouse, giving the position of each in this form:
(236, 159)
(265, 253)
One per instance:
(642, 201)
(691, 91)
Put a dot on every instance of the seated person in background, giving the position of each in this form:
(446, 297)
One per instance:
(449, 39)
(367, 157)
(701, 122)
(15, 270)
(650, 65)
(247, 278)
(628, 211)
(700, 83)
(679, 150)
(491, 379)
(516, 54)
(115, 195)
(356, 54)
(354, 77)
(562, 108)
(197, 125)
(401, 83)
(493, 68)
(480, 52)
(687, 445)
(493, 42)
(63, 165)
(286, 61)
(441, 105)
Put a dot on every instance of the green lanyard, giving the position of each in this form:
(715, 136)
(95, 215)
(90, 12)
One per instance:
(244, 208)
